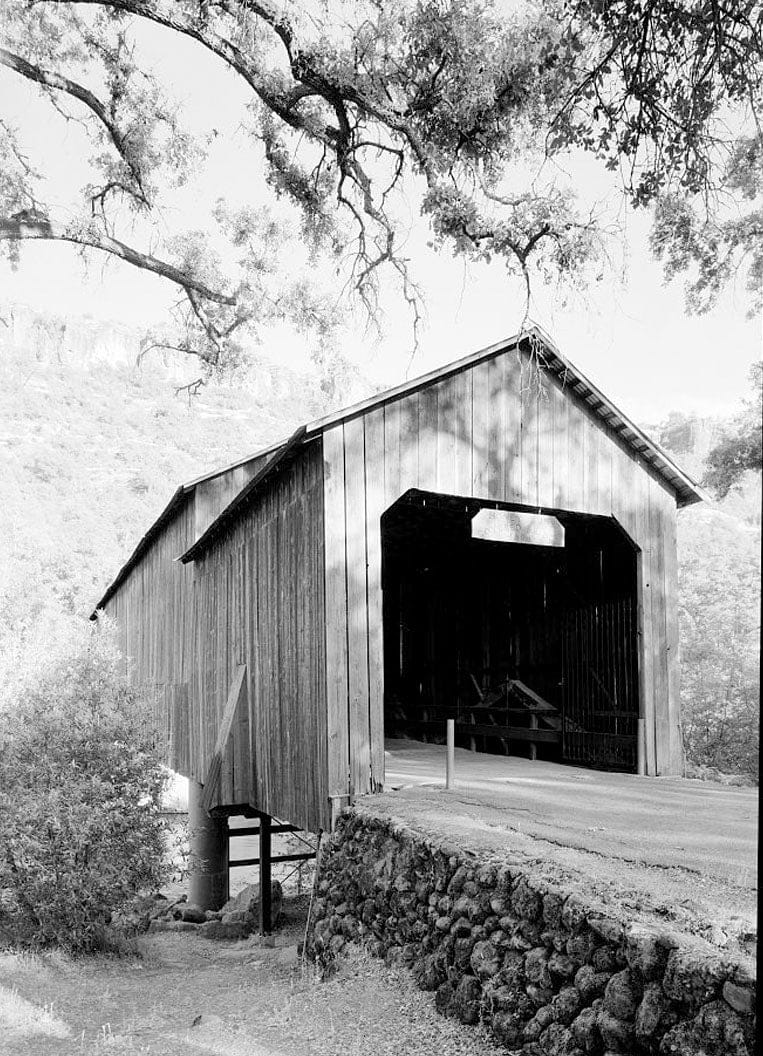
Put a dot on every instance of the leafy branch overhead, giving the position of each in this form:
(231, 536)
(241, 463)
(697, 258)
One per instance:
(464, 111)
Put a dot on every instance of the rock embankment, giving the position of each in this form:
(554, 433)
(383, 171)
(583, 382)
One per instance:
(237, 919)
(548, 972)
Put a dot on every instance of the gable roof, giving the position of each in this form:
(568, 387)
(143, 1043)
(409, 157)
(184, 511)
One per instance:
(686, 490)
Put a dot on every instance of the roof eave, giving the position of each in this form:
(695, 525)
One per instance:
(143, 544)
(686, 490)
(244, 497)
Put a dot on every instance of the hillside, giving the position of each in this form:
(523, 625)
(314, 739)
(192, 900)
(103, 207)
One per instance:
(92, 446)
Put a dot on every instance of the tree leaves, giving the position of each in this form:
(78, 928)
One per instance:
(740, 449)
(462, 109)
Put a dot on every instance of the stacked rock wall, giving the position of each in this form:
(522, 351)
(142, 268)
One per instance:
(547, 972)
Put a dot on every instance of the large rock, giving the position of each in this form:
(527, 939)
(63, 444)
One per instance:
(622, 995)
(557, 1040)
(607, 928)
(553, 904)
(461, 928)
(539, 995)
(220, 931)
(193, 914)
(508, 1027)
(444, 997)
(590, 983)
(740, 998)
(604, 959)
(580, 948)
(566, 1005)
(647, 949)
(693, 977)
(462, 952)
(466, 1000)
(585, 1030)
(561, 966)
(616, 1034)
(485, 960)
(458, 880)
(513, 970)
(574, 913)
(171, 925)
(536, 967)
(248, 901)
(715, 1031)
(540, 1021)
(526, 903)
(401, 956)
(499, 998)
(653, 1015)
(430, 972)
(137, 915)
(235, 916)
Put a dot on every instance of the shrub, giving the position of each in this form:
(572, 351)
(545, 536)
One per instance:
(80, 782)
(719, 593)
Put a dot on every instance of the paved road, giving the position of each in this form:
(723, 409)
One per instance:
(683, 850)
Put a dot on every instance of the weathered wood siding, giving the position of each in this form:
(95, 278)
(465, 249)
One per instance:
(153, 609)
(256, 597)
(500, 430)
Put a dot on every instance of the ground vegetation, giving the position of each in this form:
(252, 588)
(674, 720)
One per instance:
(189, 995)
(81, 780)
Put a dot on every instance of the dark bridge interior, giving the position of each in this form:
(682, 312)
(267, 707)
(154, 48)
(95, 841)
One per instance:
(531, 649)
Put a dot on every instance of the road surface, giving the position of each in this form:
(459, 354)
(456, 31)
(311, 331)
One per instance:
(679, 850)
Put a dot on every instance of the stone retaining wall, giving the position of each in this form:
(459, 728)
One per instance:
(546, 971)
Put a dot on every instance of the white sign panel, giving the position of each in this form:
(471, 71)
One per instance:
(506, 526)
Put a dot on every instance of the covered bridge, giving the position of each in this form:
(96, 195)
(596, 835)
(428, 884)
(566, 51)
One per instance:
(493, 542)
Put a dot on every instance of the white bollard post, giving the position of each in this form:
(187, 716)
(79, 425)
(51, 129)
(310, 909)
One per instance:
(641, 748)
(450, 763)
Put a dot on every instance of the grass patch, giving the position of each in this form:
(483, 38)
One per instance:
(20, 1019)
(186, 996)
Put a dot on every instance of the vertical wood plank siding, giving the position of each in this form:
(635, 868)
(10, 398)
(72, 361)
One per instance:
(501, 430)
(374, 446)
(293, 588)
(256, 597)
(337, 703)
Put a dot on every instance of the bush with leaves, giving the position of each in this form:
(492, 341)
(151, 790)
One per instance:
(740, 448)
(719, 590)
(80, 784)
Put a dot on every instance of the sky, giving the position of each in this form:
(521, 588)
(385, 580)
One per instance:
(631, 334)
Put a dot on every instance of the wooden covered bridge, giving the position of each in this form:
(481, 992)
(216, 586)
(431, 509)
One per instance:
(493, 542)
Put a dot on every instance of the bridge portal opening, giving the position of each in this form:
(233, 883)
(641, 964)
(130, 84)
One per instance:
(523, 631)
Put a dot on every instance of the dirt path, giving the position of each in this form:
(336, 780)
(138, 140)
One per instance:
(186, 996)
(681, 851)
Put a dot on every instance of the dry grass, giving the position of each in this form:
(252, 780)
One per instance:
(367, 1008)
(185, 996)
(21, 1019)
